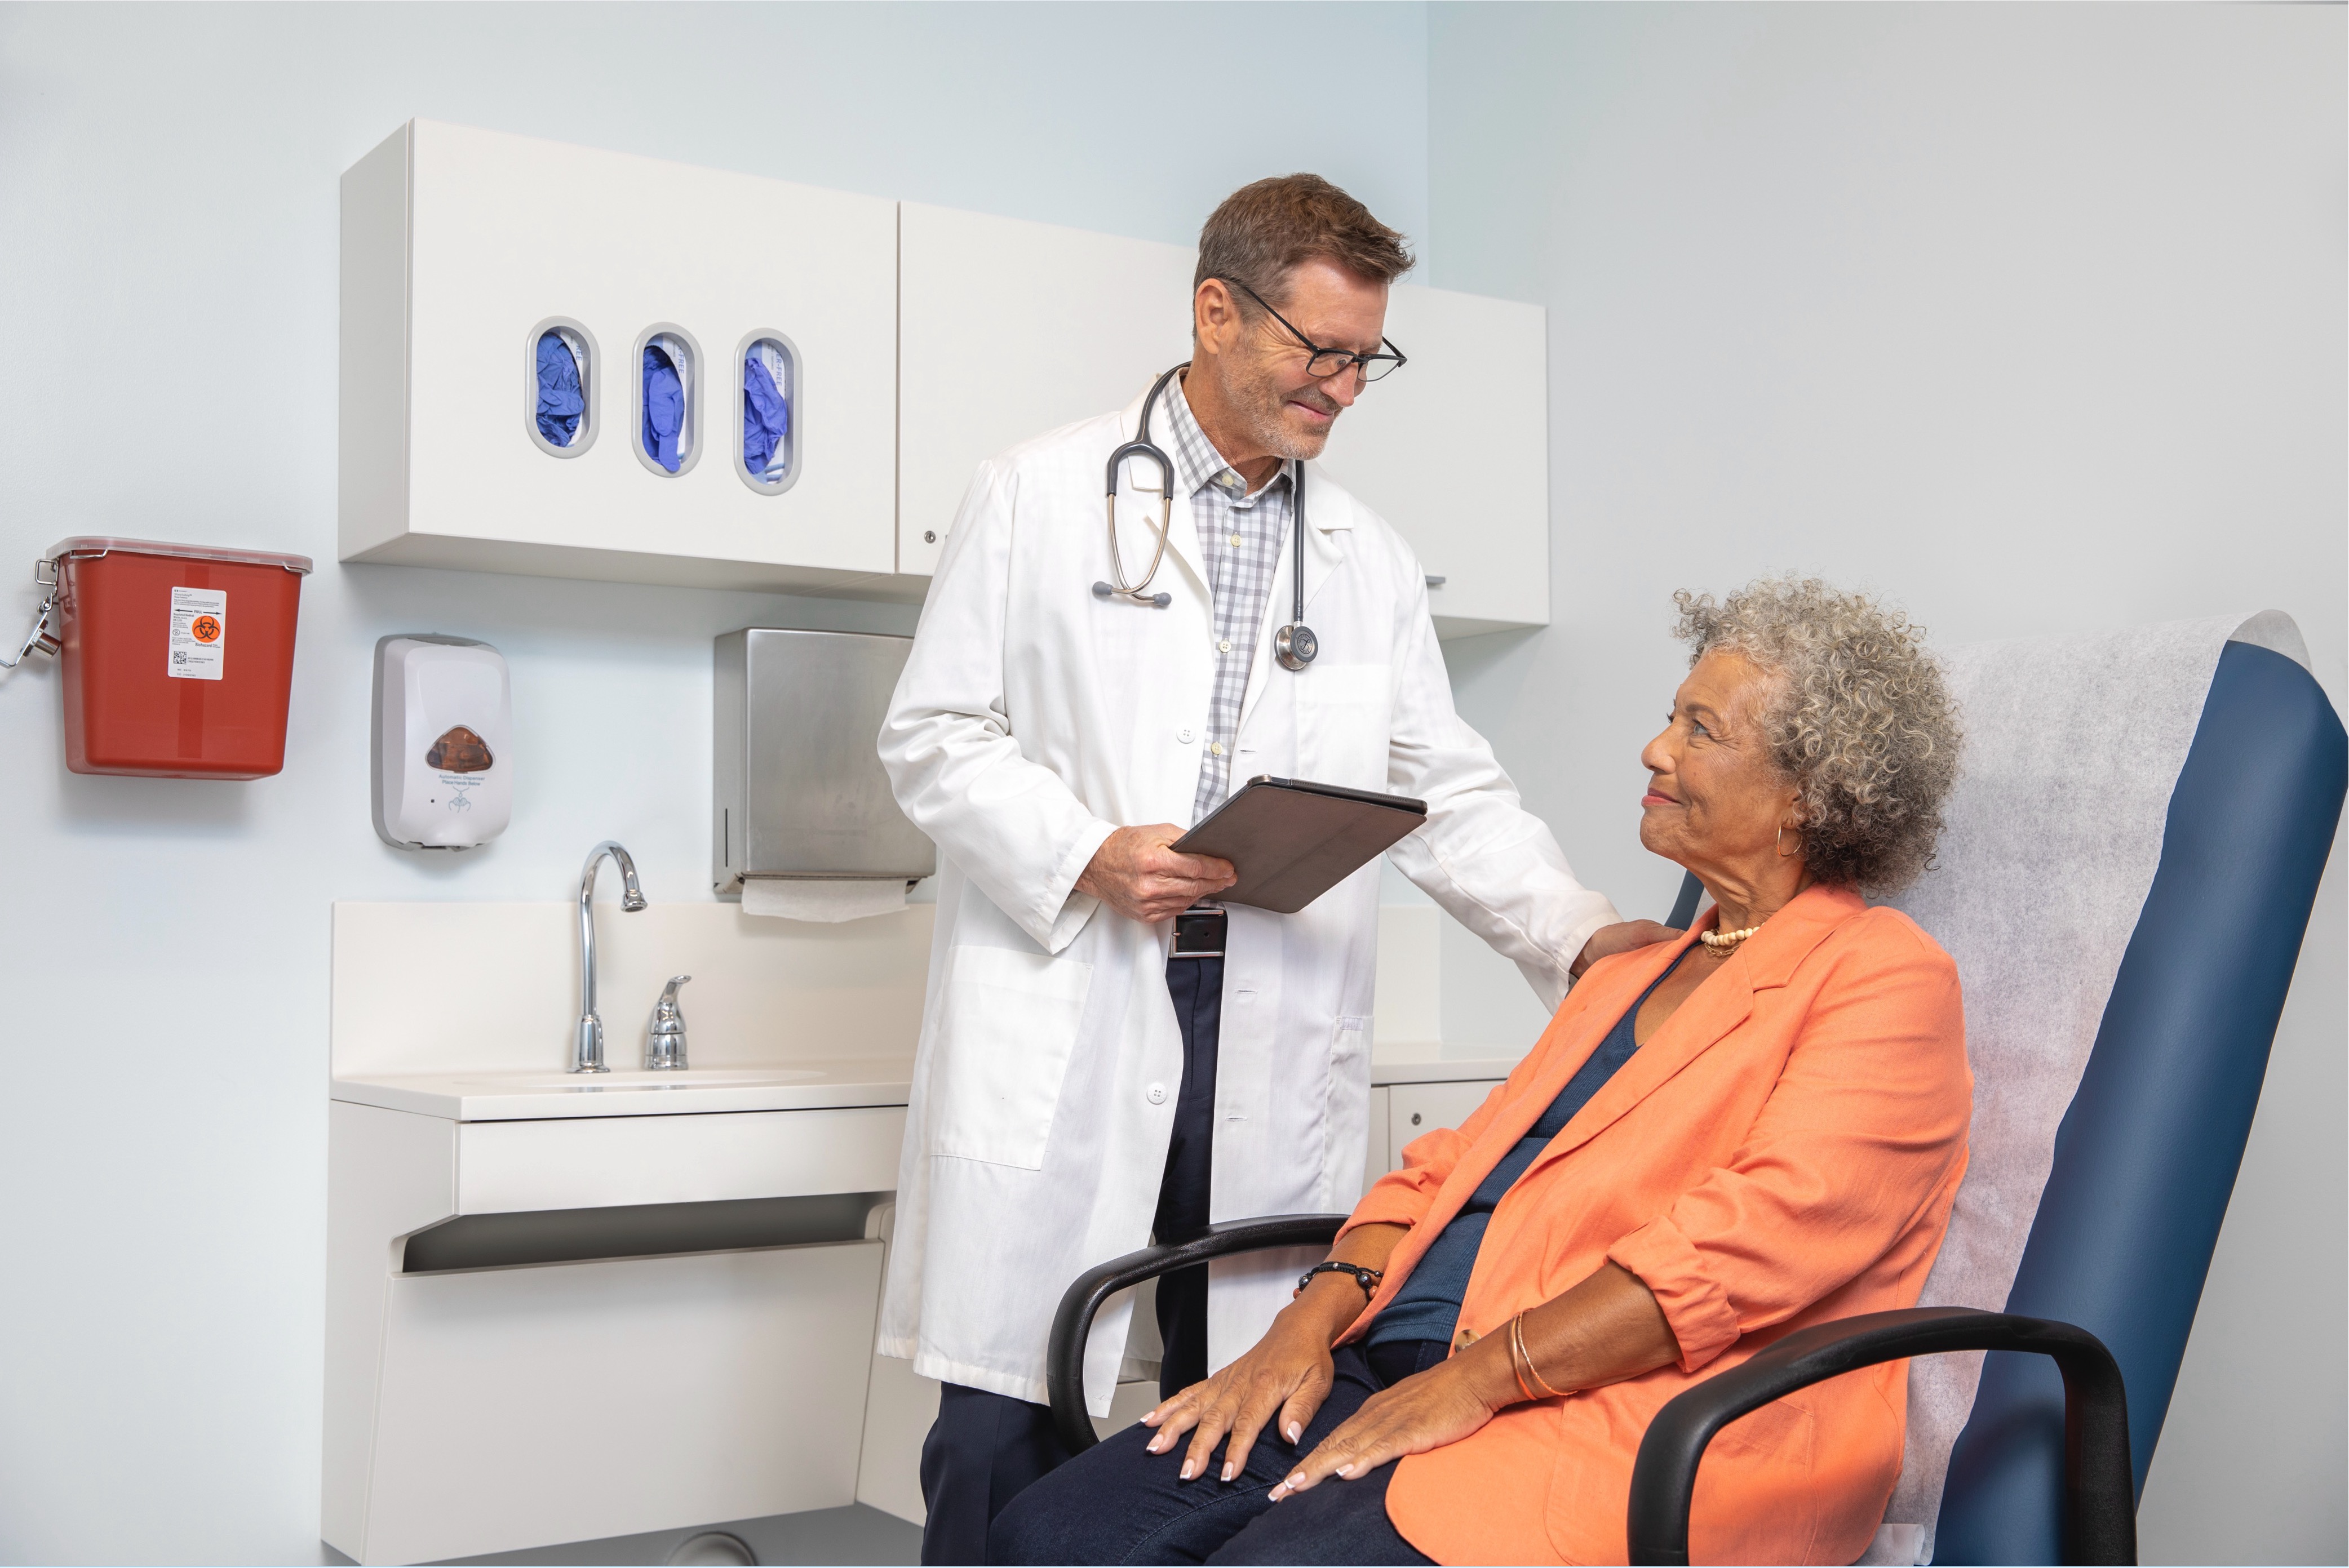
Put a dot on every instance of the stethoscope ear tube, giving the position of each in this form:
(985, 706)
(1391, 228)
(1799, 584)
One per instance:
(1140, 446)
(1294, 645)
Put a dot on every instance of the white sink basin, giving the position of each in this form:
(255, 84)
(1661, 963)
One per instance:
(733, 1077)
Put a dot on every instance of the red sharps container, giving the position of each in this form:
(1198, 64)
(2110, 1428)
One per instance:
(178, 658)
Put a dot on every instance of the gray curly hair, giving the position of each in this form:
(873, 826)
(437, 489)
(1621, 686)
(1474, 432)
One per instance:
(1856, 714)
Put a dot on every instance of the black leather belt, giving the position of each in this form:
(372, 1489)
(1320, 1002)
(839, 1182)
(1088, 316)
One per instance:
(1199, 932)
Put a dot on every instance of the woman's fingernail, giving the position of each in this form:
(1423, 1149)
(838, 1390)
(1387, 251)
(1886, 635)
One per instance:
(1158, 1443)
(1294, 1429)
(1345, 1469)
(1229, 1469)
(1187, 1470)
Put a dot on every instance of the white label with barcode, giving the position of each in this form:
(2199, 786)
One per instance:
(199, 634)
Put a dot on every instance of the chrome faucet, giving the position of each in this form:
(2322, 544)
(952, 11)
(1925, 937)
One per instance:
(588, 1055)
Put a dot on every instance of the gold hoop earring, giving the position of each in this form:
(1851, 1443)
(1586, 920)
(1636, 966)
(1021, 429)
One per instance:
(1778, 842)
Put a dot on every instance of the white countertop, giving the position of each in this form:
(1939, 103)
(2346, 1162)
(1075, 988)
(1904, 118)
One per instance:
(530, 1097)
(801, 1086)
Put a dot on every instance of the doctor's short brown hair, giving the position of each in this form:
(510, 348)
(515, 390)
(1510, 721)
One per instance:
(1263, 230)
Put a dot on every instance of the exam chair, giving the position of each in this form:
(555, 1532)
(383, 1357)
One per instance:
(2051, 1456)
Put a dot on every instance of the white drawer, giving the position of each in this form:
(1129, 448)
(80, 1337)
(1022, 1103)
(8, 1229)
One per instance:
(1416, 1110)
(595, 1161)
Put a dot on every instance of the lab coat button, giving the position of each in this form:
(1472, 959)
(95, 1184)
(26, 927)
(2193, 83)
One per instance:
(1155, 1094)
(1184, 735)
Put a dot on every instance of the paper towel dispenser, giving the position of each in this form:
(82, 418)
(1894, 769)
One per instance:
(801, 792)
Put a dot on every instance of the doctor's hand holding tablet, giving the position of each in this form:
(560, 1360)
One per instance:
(1173, 689)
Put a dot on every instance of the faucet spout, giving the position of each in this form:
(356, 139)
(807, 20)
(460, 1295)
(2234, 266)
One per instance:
(588, 1049)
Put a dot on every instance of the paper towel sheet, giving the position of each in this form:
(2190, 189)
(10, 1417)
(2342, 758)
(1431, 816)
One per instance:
(793, 898)
(2055, 830)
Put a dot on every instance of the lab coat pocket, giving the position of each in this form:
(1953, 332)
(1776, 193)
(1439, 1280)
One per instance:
(1345, 714)
(1006, 1026)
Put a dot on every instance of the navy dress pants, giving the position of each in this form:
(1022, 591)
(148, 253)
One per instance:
(985, 1448)
(1119, 1502)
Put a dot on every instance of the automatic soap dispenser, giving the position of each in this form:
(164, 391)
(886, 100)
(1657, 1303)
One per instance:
(443, 773)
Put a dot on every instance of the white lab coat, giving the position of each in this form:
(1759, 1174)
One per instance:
(1033, 719)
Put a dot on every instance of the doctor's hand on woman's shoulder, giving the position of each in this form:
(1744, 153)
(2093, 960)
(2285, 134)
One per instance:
(1135, 873)
(1622, 937)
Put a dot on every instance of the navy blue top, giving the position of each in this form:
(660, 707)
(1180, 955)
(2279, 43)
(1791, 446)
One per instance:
(1428, 1305)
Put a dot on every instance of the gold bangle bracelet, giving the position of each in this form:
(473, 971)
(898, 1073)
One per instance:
(1518, 1338)
(1518, 1360)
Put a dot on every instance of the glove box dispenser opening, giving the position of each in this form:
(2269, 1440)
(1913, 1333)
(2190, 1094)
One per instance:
(561, 376)
(768, 394)
(178, 659)
(667, 375)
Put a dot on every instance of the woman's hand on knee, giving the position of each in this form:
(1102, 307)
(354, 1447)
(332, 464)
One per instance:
(1289, 1374)
(1439, 1406)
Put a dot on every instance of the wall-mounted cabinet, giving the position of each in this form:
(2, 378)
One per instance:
(1453, 450)
(1008, 329)
(728, 381)
(459, 245)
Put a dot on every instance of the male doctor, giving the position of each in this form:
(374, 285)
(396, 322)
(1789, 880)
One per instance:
(1088, 1080)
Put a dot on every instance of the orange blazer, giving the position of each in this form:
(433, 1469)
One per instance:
(1783, 1151)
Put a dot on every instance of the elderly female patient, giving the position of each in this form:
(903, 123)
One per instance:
(1721, 1137)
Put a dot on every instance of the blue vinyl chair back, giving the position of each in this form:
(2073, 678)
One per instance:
(2147, 1154)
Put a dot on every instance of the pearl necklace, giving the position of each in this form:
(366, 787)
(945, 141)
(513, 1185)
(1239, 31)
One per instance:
(1725, 942)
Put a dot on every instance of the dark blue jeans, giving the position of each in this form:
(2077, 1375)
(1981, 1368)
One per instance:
(1118, 1502)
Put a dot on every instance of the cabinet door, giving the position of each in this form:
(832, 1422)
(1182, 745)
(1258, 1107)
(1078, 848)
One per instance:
(1416, 1110)
(1453, 450)
(462, 246)
(1008, 329)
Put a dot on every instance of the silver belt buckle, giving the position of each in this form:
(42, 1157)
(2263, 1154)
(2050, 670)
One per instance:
(1199, 932)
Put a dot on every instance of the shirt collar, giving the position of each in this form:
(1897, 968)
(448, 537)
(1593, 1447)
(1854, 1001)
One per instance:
(1197, 465)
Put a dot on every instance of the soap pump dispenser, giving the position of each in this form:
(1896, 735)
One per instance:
(664, 1038)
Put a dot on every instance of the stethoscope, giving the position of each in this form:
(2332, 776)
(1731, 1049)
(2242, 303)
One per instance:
(1293, 645)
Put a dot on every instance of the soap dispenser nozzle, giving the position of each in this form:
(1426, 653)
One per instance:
(665, 1037)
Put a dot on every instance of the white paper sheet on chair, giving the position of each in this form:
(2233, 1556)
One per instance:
(2074, 746)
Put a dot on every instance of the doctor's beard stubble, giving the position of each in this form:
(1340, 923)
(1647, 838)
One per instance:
(1258, 394)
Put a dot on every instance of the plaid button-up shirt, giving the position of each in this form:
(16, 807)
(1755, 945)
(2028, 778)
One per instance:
(1240, 535)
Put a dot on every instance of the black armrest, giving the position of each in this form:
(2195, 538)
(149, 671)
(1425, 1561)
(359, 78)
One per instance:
(2099, 1493)
(1073, 1325)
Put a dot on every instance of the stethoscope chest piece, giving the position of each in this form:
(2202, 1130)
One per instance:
(1295, 646)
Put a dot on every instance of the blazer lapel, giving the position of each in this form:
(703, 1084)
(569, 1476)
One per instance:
(1584, 1021)
(1765, 960)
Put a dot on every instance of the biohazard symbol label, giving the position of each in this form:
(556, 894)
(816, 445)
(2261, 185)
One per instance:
(205, 629)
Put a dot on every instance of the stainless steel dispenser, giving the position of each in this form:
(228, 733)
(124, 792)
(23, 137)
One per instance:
(801, 791)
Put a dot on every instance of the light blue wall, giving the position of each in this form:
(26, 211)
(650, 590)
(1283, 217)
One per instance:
(168, 242)
(2023, 315)
(2030, 317)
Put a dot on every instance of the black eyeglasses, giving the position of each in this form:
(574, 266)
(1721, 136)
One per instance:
(1328, 362)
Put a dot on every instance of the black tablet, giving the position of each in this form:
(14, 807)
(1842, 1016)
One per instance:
(1293, 840)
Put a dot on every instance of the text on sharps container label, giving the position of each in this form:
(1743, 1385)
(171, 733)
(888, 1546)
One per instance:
(199, 634)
